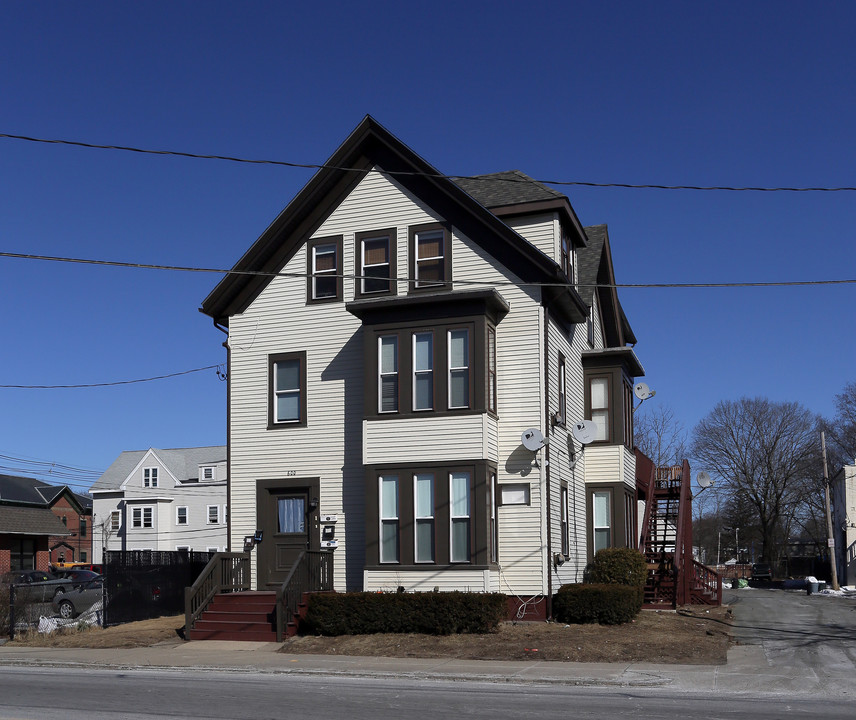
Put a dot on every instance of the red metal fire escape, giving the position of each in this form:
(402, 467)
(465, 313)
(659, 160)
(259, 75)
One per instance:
(666, 539)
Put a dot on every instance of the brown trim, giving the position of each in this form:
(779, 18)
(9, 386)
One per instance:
(272, 361)
(476, 327)
(619, 496)
(392, 236)
(311, 244)
(620, 403)
(430, 306)
(480, 472)
(562, 390)
(414, 286)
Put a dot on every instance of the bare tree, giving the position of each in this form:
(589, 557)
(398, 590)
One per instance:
(765, 452)
(841, 431)
(660, 435)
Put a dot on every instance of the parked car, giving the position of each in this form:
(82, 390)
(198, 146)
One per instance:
(762, 571)
(36, 586)
(77, 577)
(80, 599)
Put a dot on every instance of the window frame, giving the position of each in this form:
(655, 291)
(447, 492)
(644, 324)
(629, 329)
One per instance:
(465, 519)
(423, 519)
(208, 515)
(468, 368)
(609, 527)
(311, 274)
(82, 527)
(150, 476)
(563, 519)
(391, 235)
(273, 360)
(491, 370)
(391, 520)
(562, 390)
(608, 409)
(207, 470)
(145, 521)
(414, 231)
(416, 372)
(382, 374)
(178, 520)
(115, 520)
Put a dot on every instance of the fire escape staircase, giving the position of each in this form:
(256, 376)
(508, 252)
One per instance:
(674, 576)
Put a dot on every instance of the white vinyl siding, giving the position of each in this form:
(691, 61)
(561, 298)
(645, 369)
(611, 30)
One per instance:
(427, 580)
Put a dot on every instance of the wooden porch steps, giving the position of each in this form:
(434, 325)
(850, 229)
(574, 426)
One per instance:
(243, 616)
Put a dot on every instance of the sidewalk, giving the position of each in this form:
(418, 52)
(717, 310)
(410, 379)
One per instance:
(747, 670)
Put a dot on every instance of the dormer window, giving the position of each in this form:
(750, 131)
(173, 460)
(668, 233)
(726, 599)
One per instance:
(208, 473)
(150, 477)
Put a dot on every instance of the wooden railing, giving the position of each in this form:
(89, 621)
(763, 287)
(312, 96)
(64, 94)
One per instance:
(225, 572)
(683, 538)
(707, 580)
(312, 572)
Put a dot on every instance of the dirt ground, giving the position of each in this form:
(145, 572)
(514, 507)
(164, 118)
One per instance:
(692, 635)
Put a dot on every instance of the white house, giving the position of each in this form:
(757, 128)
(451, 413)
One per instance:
(391, 336)
(155, 499)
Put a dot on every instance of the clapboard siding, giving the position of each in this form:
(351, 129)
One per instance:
(404, 439)
(429, 580)
(540, 230)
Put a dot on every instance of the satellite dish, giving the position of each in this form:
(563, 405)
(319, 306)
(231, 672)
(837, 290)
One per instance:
(532, 439)
(642, 391)
(703, 480)
(585, 431)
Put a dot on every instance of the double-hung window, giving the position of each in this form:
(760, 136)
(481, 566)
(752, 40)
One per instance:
(150, 477)
(324, 271)
(459, 368)
(387, 385)
(599, 399)
(423, 497)
(115, 520)
(389, 519)
(423, 371)
(567, 256)
(287, 389)
(564, 520)
(181, 516)
(430, 252)
(562, 387)
(602, 519)
(375, 252)
(213, 514)
(459, 504)
(141, 517)
(491, 369)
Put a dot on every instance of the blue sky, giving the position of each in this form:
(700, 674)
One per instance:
(736, 94)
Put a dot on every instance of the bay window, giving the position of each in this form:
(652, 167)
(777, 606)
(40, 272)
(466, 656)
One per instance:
(389, 519)
(423, 495)
(599, 401)
(423, 371)
(602, 519)
(459, 494)
(387, 374)
(459, 368)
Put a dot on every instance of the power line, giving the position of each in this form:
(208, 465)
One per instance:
(457, 281)
(315, 166)
(220, 374)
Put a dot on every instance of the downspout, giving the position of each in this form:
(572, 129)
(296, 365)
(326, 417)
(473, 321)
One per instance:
(225, 330)
(547, 462)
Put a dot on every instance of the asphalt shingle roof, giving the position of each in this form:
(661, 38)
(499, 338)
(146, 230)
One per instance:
(588, 261)
(18, 520)
(511, 187)
(182, 462)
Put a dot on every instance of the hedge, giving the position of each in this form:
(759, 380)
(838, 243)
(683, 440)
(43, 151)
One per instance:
(432, 613)
(597, 603)
(618, 566)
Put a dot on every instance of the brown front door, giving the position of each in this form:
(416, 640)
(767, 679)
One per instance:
(287, 520)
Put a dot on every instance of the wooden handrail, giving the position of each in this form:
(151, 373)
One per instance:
(311, 572)
(225, 572)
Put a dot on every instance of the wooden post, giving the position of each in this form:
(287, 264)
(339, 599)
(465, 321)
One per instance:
(829, 531)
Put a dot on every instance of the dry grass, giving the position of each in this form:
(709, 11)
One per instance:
(693, 635)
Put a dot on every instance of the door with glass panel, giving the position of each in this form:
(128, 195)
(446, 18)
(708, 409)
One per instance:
(287, 522)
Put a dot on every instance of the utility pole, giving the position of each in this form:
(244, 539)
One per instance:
(829, 532)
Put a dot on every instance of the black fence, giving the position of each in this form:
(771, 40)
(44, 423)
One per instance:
(143, 584)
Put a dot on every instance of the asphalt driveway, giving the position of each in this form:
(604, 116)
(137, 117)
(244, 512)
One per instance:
(788, 632)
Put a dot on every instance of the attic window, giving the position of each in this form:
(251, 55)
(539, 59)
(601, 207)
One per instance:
(150, 477)
(208, 473)
(431, 258)
(324, 271)
(567, 256)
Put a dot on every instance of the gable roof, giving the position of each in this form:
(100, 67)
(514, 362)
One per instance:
(182, 463)
(372, 146)
(31, 491)
(24, 520)
(511, 187)
(594, 265)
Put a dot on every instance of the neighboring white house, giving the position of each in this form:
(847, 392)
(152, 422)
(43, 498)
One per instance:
(844, 523)
(391, 336)
(174, 499)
